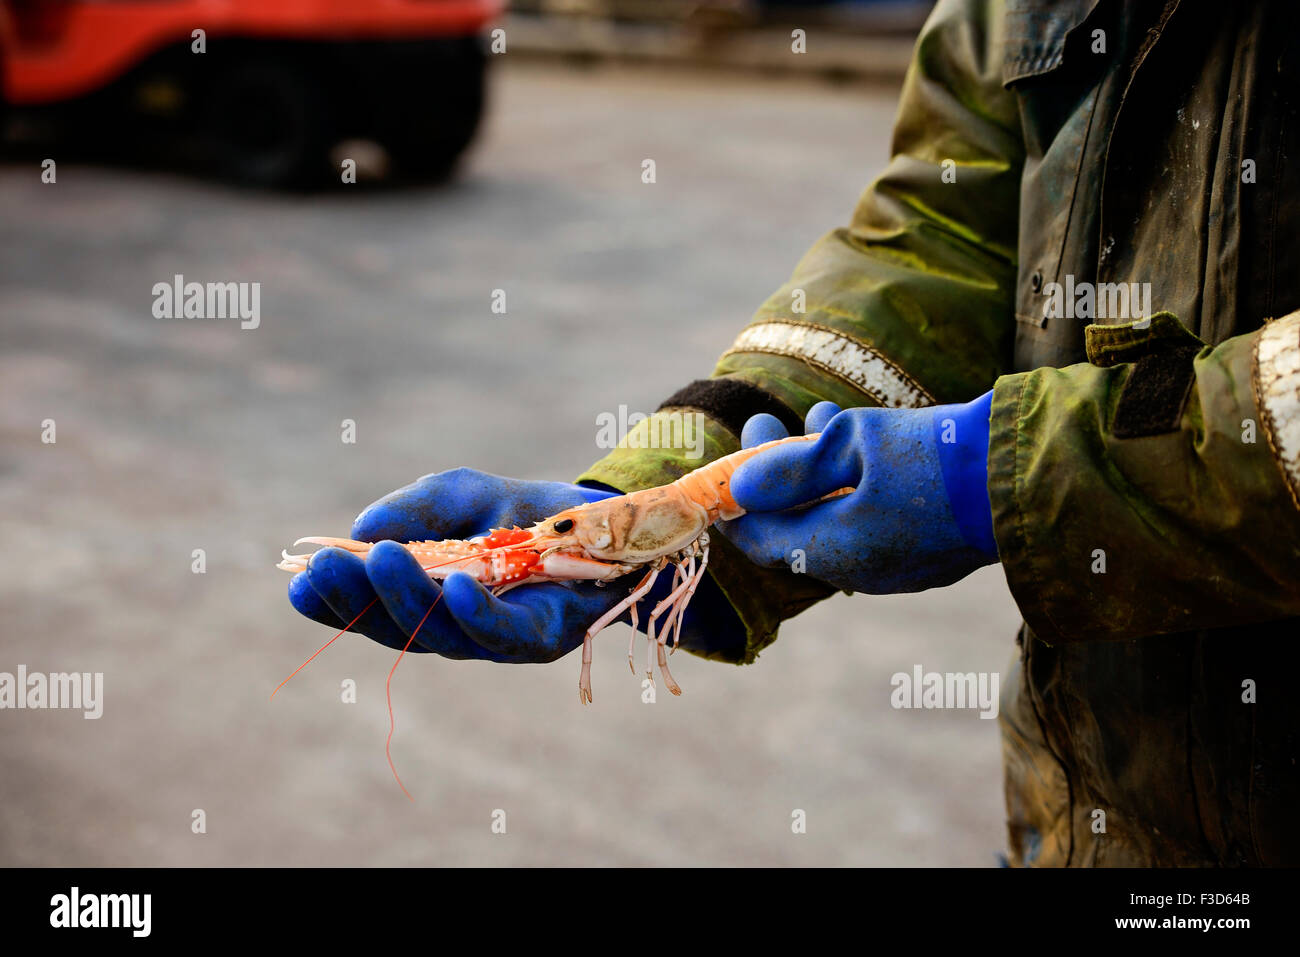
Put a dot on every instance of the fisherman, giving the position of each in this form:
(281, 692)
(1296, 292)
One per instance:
(1137, 477)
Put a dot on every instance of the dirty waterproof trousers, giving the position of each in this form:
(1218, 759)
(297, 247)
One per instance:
(1091, 208)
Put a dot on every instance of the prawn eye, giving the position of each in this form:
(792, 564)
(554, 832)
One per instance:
(564, 525)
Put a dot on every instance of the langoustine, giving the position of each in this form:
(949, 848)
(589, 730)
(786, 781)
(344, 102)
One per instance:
(599, 541)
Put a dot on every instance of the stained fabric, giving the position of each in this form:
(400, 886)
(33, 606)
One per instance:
(1058, 166)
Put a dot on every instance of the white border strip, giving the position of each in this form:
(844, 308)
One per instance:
(838, 354)
(1277, 364)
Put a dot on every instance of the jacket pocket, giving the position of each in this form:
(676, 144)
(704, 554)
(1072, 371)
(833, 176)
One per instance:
(1036, 31)
(1048, 63)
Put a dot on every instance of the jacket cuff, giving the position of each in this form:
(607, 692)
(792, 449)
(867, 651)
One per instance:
(1011, 529)
(761, 597)
(1140, 494)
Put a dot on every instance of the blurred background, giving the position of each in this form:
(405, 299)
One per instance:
(476, 170)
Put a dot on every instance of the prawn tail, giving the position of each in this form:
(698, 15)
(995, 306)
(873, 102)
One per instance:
(710, 485)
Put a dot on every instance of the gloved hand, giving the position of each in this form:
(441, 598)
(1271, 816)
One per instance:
(531, 623)
(919, 515)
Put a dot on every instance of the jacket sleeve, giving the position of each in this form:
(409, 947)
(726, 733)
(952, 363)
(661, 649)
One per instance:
(910, 304)
(1154, 489)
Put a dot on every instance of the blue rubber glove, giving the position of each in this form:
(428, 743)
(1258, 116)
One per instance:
(918, 517)
(531, 623)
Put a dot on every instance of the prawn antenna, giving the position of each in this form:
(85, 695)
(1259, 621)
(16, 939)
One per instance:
(326, 645)
(388, 692)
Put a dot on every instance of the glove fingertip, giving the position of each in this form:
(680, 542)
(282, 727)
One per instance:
(768, 482)
(761, 428)
(308, 602)
(819, 416)
(466, 599)
(744, 488)
(328, 566)
(498, 627)
(339, 577)
(373, 524)
(388, 558)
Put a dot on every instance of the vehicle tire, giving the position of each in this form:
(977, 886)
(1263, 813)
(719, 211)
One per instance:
(269, 124)
(424, 143)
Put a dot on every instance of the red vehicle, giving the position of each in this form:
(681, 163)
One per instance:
(270, 85)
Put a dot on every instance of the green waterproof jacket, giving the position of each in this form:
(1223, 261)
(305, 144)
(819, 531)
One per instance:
(1092, 208)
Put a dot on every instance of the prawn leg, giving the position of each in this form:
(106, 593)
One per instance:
(670, 604)
(584, 679)
(675, 614)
